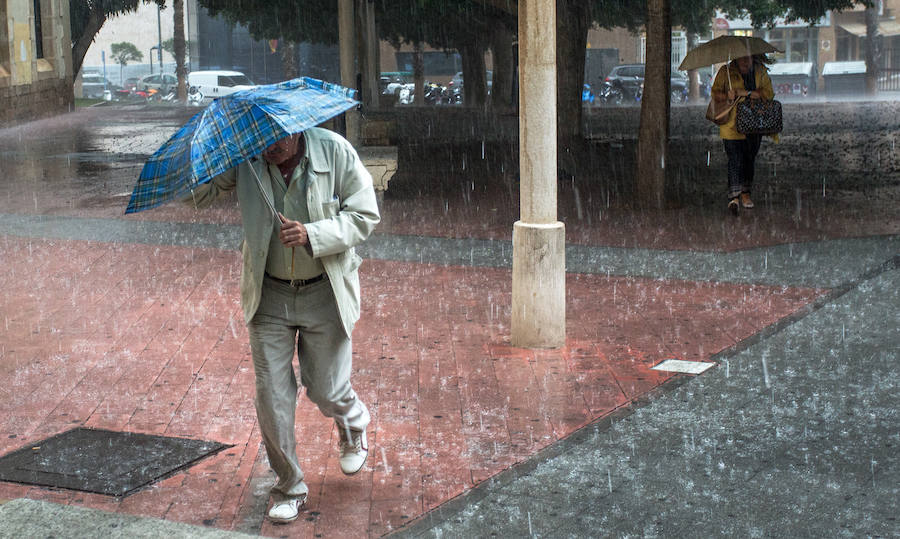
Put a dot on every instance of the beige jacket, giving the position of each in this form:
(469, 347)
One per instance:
(342, 208)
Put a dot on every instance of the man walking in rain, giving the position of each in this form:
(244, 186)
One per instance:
(300, 289)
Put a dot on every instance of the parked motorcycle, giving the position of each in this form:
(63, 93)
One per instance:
(679, 95)
(194, 97)
(455, 95)
(435, 94)
(587, 95)
(405, 95)
(611, 94)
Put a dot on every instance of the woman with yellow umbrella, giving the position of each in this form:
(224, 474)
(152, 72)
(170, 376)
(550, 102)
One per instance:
(744, 76)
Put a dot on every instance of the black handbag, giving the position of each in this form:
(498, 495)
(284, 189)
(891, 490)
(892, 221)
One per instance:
(759, 117)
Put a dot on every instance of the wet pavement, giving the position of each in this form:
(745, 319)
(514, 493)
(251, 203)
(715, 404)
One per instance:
(133, 324)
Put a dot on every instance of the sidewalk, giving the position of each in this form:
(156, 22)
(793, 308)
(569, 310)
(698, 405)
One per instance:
(133, 324)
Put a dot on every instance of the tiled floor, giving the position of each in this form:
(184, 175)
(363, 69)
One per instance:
(150, 339)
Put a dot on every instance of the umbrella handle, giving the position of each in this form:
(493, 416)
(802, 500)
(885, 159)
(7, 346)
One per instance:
(265, 196)
(271, 206)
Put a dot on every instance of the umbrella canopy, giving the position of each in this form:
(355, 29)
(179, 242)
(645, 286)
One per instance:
(232, 129)
(724, 49)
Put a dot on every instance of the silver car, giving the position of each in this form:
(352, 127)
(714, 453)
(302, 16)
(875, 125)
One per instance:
(163, 83)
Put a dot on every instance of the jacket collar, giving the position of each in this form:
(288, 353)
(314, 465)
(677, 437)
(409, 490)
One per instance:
(314, 151)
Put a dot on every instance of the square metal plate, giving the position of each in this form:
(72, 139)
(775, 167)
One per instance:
(683, 366)
(103, 461)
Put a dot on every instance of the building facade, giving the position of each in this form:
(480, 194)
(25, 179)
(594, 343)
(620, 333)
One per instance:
(35, 60)
(837, 37)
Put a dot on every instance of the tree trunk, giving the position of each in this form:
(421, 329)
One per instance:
(227, 44)
(419, 73)
(872, 58)
(180, 71)
(502, 54)
(474, 84)
(289, 60)
(573, 20)
(80, 47)
(653, 134)
(367, 52)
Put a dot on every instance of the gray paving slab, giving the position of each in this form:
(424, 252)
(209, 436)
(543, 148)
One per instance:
(39, 519)
(796, 435)
(826, 264)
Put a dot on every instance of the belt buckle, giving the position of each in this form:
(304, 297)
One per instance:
(297, 283)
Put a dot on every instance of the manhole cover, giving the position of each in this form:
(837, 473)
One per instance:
(103, 461)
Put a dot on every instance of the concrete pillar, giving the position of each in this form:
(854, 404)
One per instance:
(539, 264)
(347, 45)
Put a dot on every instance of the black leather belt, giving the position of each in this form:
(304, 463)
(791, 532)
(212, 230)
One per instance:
(297, 283)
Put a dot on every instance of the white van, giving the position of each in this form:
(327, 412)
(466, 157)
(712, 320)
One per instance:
(213, 84)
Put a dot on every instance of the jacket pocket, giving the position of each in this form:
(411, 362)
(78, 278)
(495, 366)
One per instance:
(330, 208)
(351, 261)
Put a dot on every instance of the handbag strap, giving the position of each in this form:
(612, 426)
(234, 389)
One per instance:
(727, 110)
(724, 112)
(728, 72)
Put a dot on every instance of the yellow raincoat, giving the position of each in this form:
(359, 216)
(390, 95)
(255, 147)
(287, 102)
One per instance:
(728, 130)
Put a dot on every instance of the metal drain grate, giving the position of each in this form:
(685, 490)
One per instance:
(103, 461)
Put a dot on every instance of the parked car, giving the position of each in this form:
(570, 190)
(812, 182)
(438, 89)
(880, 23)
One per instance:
(162, 83)
(625, 83)
(94, 84)
(131, 84)
(212, 84)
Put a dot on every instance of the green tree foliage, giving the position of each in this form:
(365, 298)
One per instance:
(313, 21)
(168, 45)
(86, 17)
(764, 12)
(124, 52)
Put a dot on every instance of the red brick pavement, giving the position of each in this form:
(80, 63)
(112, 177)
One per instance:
(150, 339)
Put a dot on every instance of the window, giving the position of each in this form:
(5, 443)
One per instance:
(38, 32)
(803, 44)
(230, 81)
(4, 42)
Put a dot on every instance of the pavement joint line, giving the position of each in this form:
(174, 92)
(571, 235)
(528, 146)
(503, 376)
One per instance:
(494, 484)
(801, 313)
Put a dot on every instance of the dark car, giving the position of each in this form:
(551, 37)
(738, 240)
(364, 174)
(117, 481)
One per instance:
(626, 83)
(131, 84)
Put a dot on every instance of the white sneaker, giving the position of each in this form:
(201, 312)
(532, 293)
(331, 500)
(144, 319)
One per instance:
(354, 450)
(286, 510)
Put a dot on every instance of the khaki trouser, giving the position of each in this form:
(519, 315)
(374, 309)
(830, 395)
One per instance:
(305, 318)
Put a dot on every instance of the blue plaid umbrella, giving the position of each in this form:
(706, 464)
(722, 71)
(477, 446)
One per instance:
(231, 130)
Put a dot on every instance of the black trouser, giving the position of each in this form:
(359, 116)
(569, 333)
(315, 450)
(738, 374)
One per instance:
(741, 157)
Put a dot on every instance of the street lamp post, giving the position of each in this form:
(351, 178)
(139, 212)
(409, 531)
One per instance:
(153, 48)
(159, 39)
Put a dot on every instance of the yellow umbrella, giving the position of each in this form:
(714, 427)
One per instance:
(724, 49)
